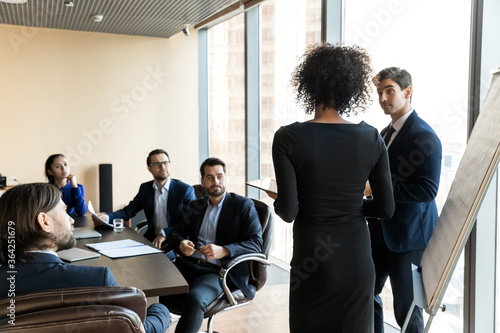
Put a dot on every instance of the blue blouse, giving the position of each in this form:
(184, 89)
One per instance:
(74, 198)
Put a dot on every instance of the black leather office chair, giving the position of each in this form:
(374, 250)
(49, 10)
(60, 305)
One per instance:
(142, 227)
(231, 299)
(83, 310)
(199, 191)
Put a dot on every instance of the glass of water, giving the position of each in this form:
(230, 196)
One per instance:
(118, 225)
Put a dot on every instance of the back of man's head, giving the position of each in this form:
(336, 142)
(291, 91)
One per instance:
(19, 229)
(401, 76)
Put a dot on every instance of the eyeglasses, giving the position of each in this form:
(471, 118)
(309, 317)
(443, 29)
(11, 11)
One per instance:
(159, 164)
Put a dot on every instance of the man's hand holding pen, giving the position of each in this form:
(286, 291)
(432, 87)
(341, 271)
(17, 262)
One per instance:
(187, 247)
(210, 251)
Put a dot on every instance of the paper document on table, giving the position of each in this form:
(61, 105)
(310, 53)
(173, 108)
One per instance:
(123, 248)
(266, 184)
(92, 211)
(130, 251)
(114, 244)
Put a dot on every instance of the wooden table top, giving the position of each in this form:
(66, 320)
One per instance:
(154, 274)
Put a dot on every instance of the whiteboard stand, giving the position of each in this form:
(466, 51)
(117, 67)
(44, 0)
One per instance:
(462, 204)
(419, 299)
(408, 316)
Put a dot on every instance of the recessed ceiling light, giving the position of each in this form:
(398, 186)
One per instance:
(97, 18)
(17, 2)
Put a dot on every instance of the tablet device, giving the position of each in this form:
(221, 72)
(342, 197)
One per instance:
(265, 184)
(81, 233)
(77, 254)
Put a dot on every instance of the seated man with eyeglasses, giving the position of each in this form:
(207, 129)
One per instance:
(162, 199)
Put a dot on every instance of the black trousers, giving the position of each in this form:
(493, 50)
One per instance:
(204, 288)
(397, 267)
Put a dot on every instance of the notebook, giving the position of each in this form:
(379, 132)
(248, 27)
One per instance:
(77, 254)
(81, 233)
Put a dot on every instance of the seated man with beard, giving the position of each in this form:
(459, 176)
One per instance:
(220, 225)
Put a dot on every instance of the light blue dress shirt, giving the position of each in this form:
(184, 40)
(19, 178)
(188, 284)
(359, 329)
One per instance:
(160, 218)
(208, 230)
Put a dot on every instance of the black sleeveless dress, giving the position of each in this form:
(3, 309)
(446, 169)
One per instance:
(321, 171)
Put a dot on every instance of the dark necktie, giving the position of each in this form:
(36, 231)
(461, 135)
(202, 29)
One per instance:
(388, 135)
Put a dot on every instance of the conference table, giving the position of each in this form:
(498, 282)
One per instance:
(154, 274)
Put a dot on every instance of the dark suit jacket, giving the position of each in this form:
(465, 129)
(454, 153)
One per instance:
(415, 163)
(46, 271)
(238, 229)
(179, 196)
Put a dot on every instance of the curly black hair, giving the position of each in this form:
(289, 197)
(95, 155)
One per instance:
(337, 76)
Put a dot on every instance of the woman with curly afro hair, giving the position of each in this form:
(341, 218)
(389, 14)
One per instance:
(321, 167)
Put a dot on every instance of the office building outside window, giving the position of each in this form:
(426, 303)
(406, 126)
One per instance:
(226, 73)
(419, 36)
(407, 34)
(287, 28)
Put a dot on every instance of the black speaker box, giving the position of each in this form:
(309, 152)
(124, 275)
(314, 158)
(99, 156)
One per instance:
(105, 188)
(3, 181)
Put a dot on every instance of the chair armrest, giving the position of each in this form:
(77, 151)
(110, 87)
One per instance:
(141, 227)
(78, 318)
(230, 262)
(227, 264)
(128, 297)
(141, 224)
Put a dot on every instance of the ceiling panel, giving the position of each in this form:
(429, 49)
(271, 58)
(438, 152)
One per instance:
(152, 18)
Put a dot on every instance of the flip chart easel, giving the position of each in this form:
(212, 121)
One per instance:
(466, 194)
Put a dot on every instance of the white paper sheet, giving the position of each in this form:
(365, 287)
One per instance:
(92, 211)
(114, 244)
(130, 251)
(123, 248)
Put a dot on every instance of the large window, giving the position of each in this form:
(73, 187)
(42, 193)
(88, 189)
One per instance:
(434, 47)
(287, 27)
(226, 101)
(430, 39)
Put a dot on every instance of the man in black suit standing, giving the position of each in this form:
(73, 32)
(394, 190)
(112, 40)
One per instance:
(34, 222)
(162, 199)
(415, 162)
(220, 226)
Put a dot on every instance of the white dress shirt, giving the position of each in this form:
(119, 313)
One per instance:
(398, 125)
(45, 251)
(160, 217)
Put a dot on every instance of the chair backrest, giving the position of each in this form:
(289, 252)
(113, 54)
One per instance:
(199, 191)
(87, 309)
(258, 271)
